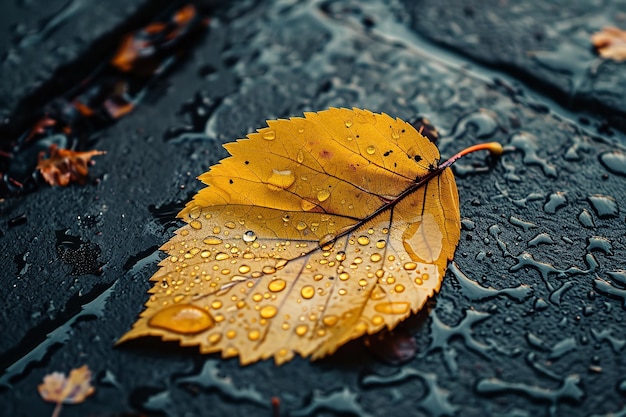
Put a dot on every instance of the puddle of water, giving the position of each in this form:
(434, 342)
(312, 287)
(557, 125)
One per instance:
(37, 351)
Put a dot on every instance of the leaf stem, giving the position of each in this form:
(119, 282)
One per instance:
(57, 409)
(494, 148)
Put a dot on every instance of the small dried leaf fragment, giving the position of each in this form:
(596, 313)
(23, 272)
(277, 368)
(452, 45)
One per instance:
(316, 231)
(610, 43)
(59, 389)
(64, 166)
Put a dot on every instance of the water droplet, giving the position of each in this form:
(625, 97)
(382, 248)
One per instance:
(269, 135)
(254, 335)
(348, 122)
(230, 225)
(183, 319)
(377, 320)
(614, 162)
(371, 150)
(395, 133)
(195, 212)
(205, 254)
(277, 285)
(267, 270)
(231, 334)
(375, 257)
(307, 292)
(301, 329)
(342, 291)
(363, 282)
(381, 244)
(244, 269)
(301, 226)
(555, 202)
(306, 205)
(268, 311)
(257, 297)
(195, 224)
(280, 180)
(344, 276)
(217, 304)
(398, 307)
(300, 156)
(341, 256)
(363, 240)
(214, 338)
(322, 195)
(410, 266)
(330, 320)
(585, 219)
(399, 288)
(605, 206)
(221, 256)
(249, 236)
(286, 217)
(217, 230)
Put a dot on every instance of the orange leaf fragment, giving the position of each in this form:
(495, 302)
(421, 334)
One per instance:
(59, 389)
(64, 166)
(610, 43)
(316, 231)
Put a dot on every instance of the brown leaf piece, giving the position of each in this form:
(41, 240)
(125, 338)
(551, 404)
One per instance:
(64, 166)
(610, 43)
(59, 389)
(316, 231)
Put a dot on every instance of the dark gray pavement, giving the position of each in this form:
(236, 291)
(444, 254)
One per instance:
(530, 321)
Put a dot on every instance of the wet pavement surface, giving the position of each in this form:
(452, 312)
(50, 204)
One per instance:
(530, 319)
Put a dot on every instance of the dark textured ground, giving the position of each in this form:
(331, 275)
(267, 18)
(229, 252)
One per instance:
(531, 321)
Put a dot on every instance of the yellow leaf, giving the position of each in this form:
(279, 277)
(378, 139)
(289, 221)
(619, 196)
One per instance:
(57, 388)
(316, 231)
(610, 43)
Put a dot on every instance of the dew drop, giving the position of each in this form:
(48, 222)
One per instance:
(377, 320)
(268, 311)
(221, 256)
(244, 269)
(306, 205)
(254, 335)
(195, 224)
(231, 334)
(300, 157)
(217, 230)
(269, 135)
(322, 195)
(307, 292)
(344, 276)
(217, 304)
(363, 282)
(399, 288)
(398, 307)
(249, 236)
(301, 329)
(230, 225)
(195, 212)
(267, 270)
(410, 266)
(341, 256)
(205, 254)
(330, 320)
(349, 123)
(301, 226)
(342, 291)
(363, 240)
(277, 285)
(381, 244)
(214, 338)
(375, 257)
(280, 180)
(371, 150)
(183, 319)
